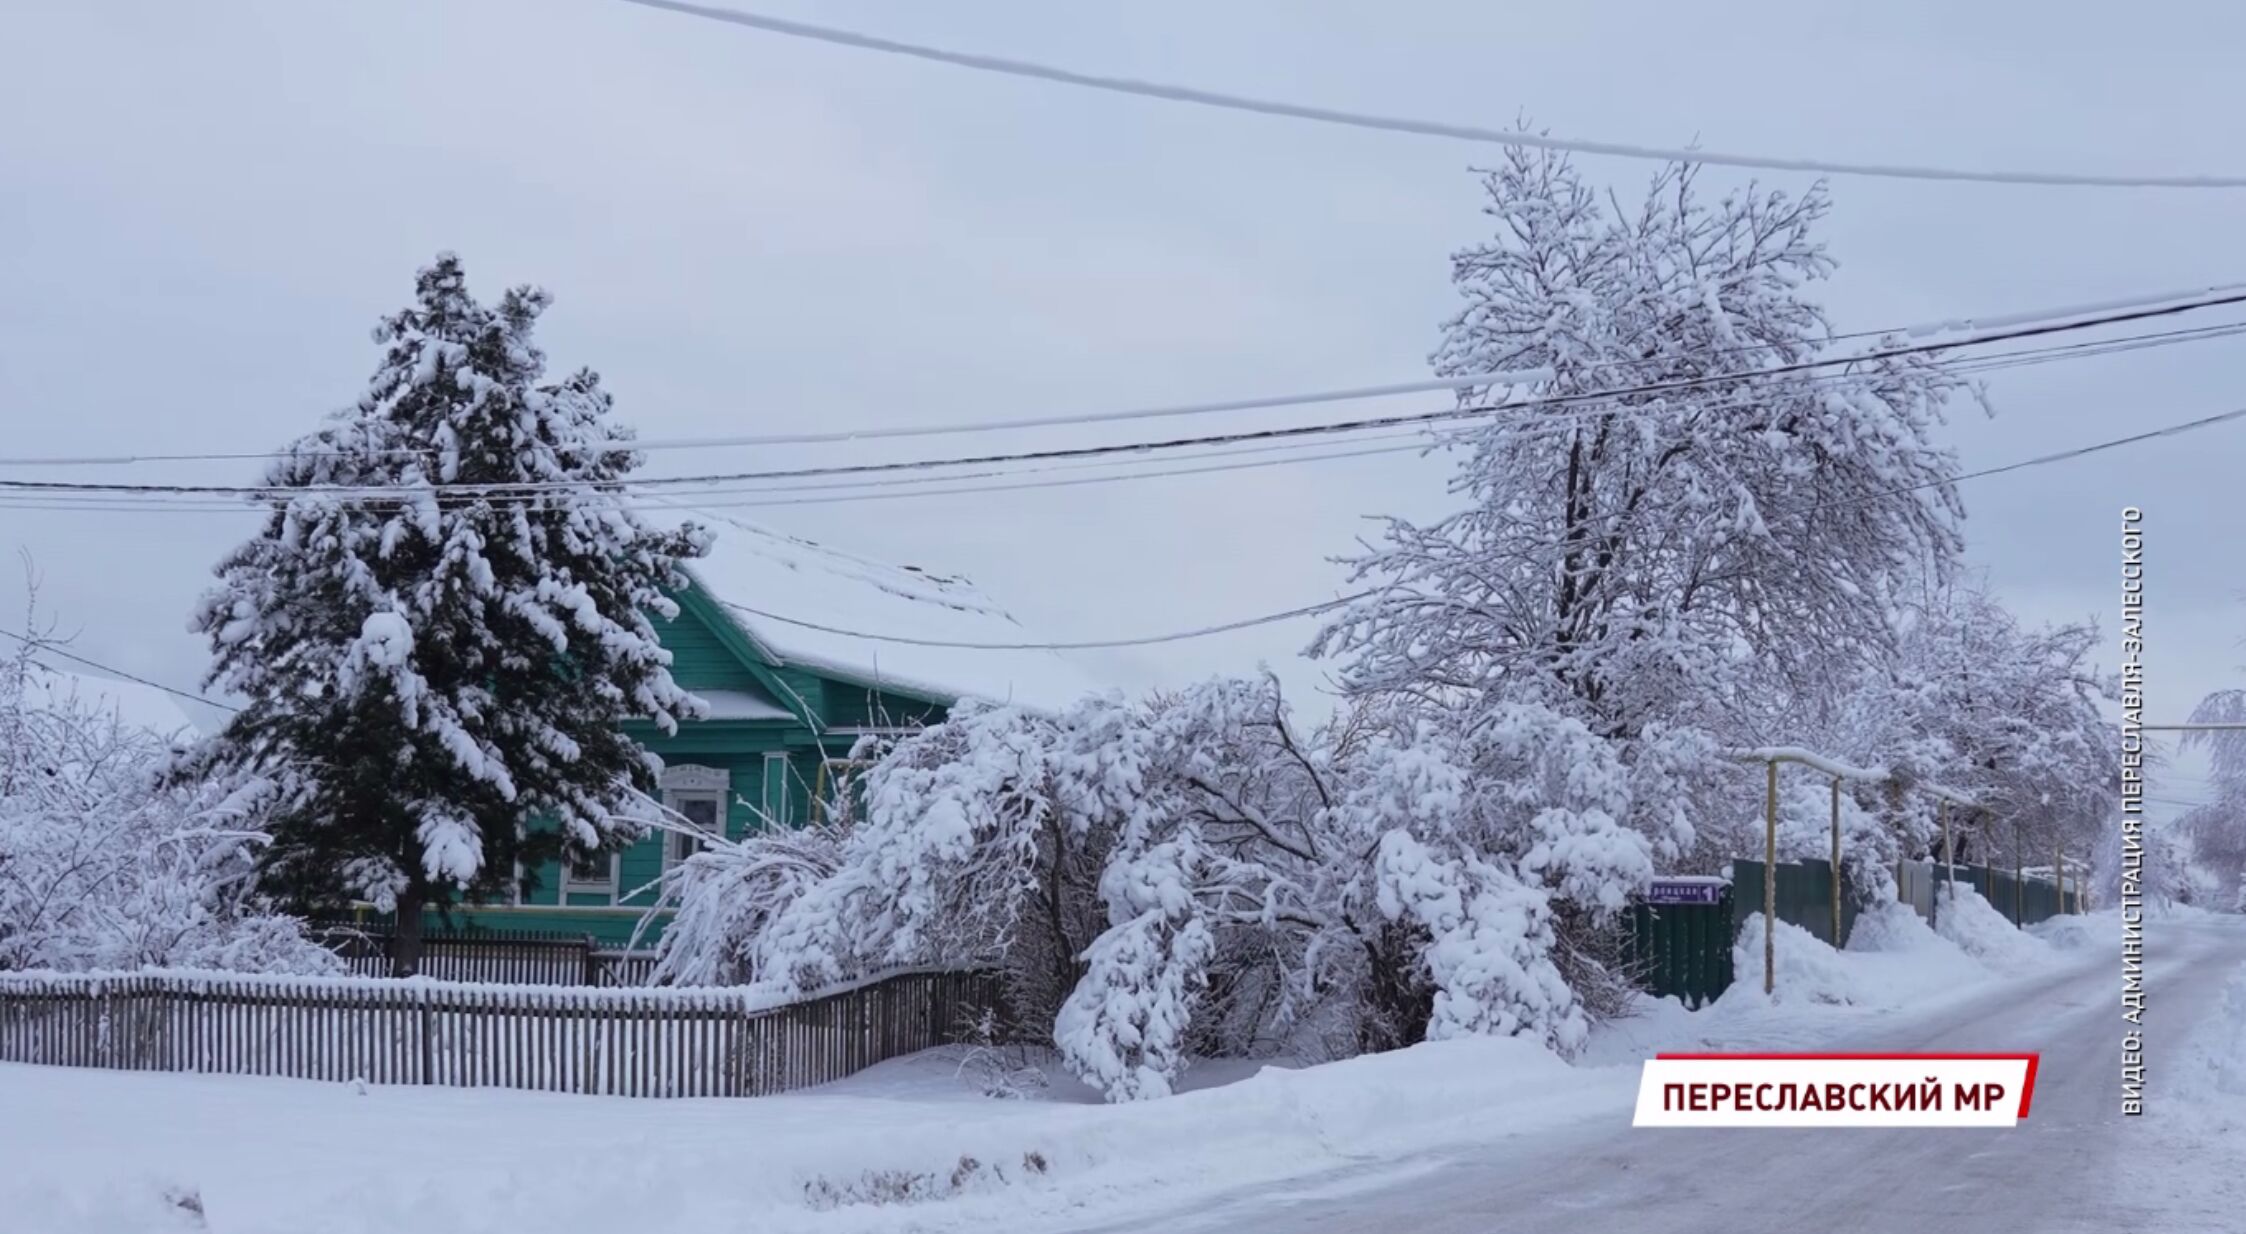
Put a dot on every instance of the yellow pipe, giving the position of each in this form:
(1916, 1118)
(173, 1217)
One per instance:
(1837, 940)
(1770, 883)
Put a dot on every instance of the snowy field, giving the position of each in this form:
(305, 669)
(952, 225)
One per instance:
(913, 1145)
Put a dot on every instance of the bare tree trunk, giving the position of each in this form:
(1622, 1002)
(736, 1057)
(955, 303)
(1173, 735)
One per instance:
(405, 937)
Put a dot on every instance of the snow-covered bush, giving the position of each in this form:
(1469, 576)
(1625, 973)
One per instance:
(1189, 874)
(724, 896)
(104, 866)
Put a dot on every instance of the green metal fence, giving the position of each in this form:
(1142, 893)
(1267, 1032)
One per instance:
(1683, 950)
(1805, 897)
(2022, 901)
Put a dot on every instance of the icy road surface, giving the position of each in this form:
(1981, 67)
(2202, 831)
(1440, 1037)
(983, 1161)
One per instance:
(2075, 1164)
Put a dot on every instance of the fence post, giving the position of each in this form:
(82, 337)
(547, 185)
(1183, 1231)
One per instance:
(1838, 941)
(2020, 882)
(1770, 881)
(428, 1042)
(1949, 854)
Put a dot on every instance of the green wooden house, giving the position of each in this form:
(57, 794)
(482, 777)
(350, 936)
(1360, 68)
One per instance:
(769, 636)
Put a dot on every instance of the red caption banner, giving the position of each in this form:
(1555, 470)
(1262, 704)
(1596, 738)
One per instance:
(1835, 1090)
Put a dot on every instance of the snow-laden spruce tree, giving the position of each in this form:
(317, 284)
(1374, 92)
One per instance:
(444, 619)
(1659, 557)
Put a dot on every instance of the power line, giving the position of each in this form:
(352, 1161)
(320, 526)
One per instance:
(1270, 434)
(1467, 381)
(1464, 381)
(1422, 445)
(45, 648)
(921, 486)
(1325, 605)
(1300, 610)
(1426, 128)
(2061, 456)
(1085, 645)
(1287, 447)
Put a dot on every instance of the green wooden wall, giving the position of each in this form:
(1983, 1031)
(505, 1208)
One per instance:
(773, 767)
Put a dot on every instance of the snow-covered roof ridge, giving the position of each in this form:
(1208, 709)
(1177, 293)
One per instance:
(909, 582)
(837, 612)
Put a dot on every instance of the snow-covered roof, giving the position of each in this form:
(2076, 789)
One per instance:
(134, 704)
(811, 605)
(741, 705)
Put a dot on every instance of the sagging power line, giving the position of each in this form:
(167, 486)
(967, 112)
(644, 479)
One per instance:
(1427, 128)
(1289, 614)
(1577, 399)
(1466, 381)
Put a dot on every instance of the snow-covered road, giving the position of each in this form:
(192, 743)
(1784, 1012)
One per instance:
(2075, 1164)
(1479, 1134)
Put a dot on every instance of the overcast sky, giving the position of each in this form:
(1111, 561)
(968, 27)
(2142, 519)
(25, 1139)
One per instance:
(204, 207)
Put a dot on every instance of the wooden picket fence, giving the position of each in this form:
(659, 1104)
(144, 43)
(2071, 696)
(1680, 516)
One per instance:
(491, 956)
(605, 1041)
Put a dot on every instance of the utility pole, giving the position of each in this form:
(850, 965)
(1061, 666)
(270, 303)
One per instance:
(1838, 941)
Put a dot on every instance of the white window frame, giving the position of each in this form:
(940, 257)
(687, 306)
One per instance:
(777, 768)
(690, 782)
(834, 773)
(571, 884)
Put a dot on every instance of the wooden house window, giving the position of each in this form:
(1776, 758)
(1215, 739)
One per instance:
(698, 794)
(589, 874)
(776, 794)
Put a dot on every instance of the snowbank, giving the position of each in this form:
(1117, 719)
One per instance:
(1894, 963)
(868, 1154)
(138, 1206)
(2075, 931)
(1968, 920)
(1892, 960)
(2225, 1057)
(1803, 968)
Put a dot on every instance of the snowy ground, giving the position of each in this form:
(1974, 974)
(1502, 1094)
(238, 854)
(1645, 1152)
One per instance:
(1449, 1136)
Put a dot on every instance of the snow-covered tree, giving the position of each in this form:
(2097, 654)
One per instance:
(724, 896)
(2217, 830)
(2007, 714)
(102, 866)
(1672, 565)
(1657, 552)
(1190, 874)
(443, 621)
